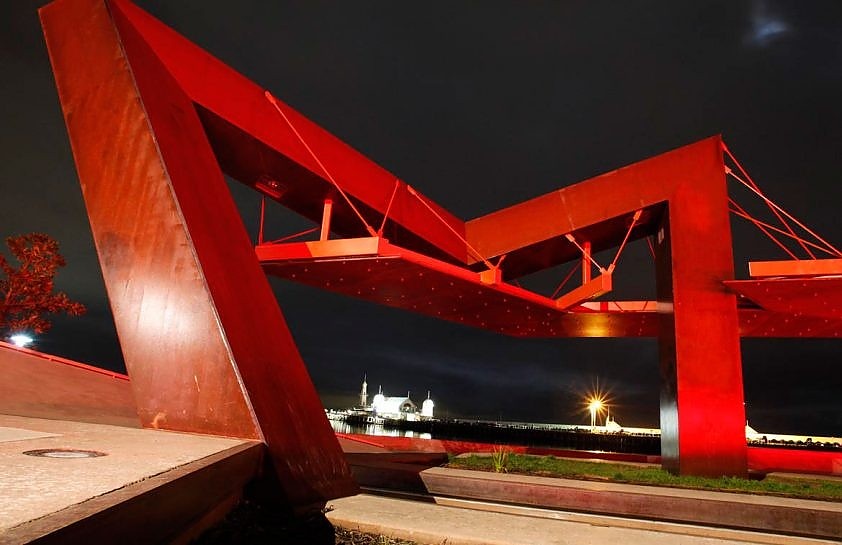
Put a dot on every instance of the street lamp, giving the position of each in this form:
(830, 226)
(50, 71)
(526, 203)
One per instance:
(594, 407)
(21, 339)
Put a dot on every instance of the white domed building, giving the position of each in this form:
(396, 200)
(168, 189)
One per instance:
(400, 408)
(427, 407)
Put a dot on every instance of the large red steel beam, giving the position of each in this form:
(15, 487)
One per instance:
(165, 107)
(797, 300)
(378, 271)
(253, 142)
(192, 307)
(702, 412)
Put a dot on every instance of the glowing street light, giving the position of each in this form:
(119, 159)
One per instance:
(596, 405)
(21, 339)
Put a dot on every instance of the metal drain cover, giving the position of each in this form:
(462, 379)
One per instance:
(64, 453)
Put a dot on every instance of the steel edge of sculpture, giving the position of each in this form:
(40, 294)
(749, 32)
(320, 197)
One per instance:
(154, 121)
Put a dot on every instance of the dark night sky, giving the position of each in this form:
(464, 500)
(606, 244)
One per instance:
(482, 105)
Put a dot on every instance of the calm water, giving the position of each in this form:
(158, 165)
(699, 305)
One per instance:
(376, 429)
(512, 433)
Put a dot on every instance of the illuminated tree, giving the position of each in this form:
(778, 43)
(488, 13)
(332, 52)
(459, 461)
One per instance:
(26, 291)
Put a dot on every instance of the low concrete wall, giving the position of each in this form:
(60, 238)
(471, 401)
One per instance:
(753, 512)
(43, 386)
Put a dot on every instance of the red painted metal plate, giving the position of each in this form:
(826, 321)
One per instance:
(396, 277)
(376, 271)
(819, 297)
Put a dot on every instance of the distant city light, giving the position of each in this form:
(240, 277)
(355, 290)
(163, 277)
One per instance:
(21, 339)
(595, 406)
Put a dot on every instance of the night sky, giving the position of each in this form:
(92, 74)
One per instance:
(480, 106)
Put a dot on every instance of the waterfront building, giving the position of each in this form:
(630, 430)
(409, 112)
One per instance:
(364, 393)
(427, 407)
(395, 408)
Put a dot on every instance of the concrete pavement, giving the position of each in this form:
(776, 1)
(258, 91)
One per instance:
(35, 489)
(442, 521)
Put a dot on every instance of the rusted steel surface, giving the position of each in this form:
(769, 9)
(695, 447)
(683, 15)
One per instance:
(156, 287)
(396, 277)
(697, 322)
(803, 267)
(43, 386)
(598, 210)
(762, 323)
(253, 142)
(794, 460)
(176, 259)
(698, 327)
(380, 272)
(797, 299)
(154, 121)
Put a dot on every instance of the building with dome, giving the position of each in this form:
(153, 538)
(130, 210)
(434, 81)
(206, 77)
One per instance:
(427, 407)
(395, 408)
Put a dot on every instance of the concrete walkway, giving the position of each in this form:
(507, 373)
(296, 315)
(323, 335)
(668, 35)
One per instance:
(462, 522)
(34, 487)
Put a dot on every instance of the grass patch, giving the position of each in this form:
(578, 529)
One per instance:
(550, 466)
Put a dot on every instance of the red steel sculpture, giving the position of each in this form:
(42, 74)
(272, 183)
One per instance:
(154, 122)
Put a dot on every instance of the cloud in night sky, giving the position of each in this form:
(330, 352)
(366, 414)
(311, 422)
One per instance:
(766, 26)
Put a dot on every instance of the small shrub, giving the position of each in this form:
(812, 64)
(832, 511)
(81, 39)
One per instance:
(500, 459)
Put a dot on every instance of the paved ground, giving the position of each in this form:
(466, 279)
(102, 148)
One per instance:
(459, 522)
(32, 487)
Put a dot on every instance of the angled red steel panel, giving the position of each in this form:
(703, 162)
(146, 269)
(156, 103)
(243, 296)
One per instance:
(795, 297)
(378, 271)
(189, 111)
(177, 261)
(702, 414)
(790, 269)
(253, 141)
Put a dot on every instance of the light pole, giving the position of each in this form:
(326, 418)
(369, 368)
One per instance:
(594, 407)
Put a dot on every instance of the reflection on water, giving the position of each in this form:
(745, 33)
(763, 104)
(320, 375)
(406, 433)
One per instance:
(340, 426)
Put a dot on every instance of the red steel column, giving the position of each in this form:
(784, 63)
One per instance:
(204, 341)
(702, 411)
